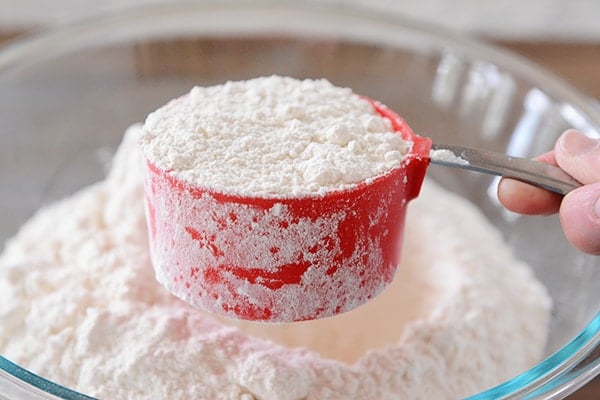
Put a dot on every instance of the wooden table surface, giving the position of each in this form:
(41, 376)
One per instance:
(577, 63)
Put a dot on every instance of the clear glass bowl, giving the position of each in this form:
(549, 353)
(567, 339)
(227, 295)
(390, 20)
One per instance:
(67, 96)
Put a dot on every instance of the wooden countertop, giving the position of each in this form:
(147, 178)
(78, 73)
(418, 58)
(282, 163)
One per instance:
(578, 64)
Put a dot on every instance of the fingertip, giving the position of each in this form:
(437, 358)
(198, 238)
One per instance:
(527, 199)
(580, 218)
(573, 143)
(509, 194)
(578, 155)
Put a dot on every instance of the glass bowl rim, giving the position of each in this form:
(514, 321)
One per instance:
(561, 373)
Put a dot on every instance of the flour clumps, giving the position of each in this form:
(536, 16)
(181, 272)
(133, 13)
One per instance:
(447, 156)
(272, 135)
(79, 305)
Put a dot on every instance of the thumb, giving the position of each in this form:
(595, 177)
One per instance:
(579, 156)
(580, 218)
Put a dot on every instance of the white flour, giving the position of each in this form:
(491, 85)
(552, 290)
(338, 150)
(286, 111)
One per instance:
(272, 135)
(447, 156)
(297, 253)
(79, 305)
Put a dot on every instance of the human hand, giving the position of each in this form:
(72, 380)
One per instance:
(579, 210)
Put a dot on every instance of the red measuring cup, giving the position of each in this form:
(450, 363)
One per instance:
(282, 259)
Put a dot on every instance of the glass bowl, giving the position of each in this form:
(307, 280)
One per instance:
(66, 97)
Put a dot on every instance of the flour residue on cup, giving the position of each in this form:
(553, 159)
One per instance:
(277, 199)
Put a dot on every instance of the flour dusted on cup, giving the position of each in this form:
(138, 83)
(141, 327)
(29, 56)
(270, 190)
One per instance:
(277, 199)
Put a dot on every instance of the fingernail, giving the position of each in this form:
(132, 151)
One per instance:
(575, 143)
(597, 207)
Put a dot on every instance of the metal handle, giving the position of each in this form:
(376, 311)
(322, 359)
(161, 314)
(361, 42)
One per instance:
(534, 172)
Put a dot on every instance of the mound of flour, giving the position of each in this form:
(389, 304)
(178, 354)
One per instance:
(80, 306)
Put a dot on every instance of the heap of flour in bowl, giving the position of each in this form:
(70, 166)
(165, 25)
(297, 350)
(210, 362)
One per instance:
(80, 306)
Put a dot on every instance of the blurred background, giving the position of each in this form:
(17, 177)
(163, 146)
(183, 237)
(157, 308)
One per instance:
(562, 36)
